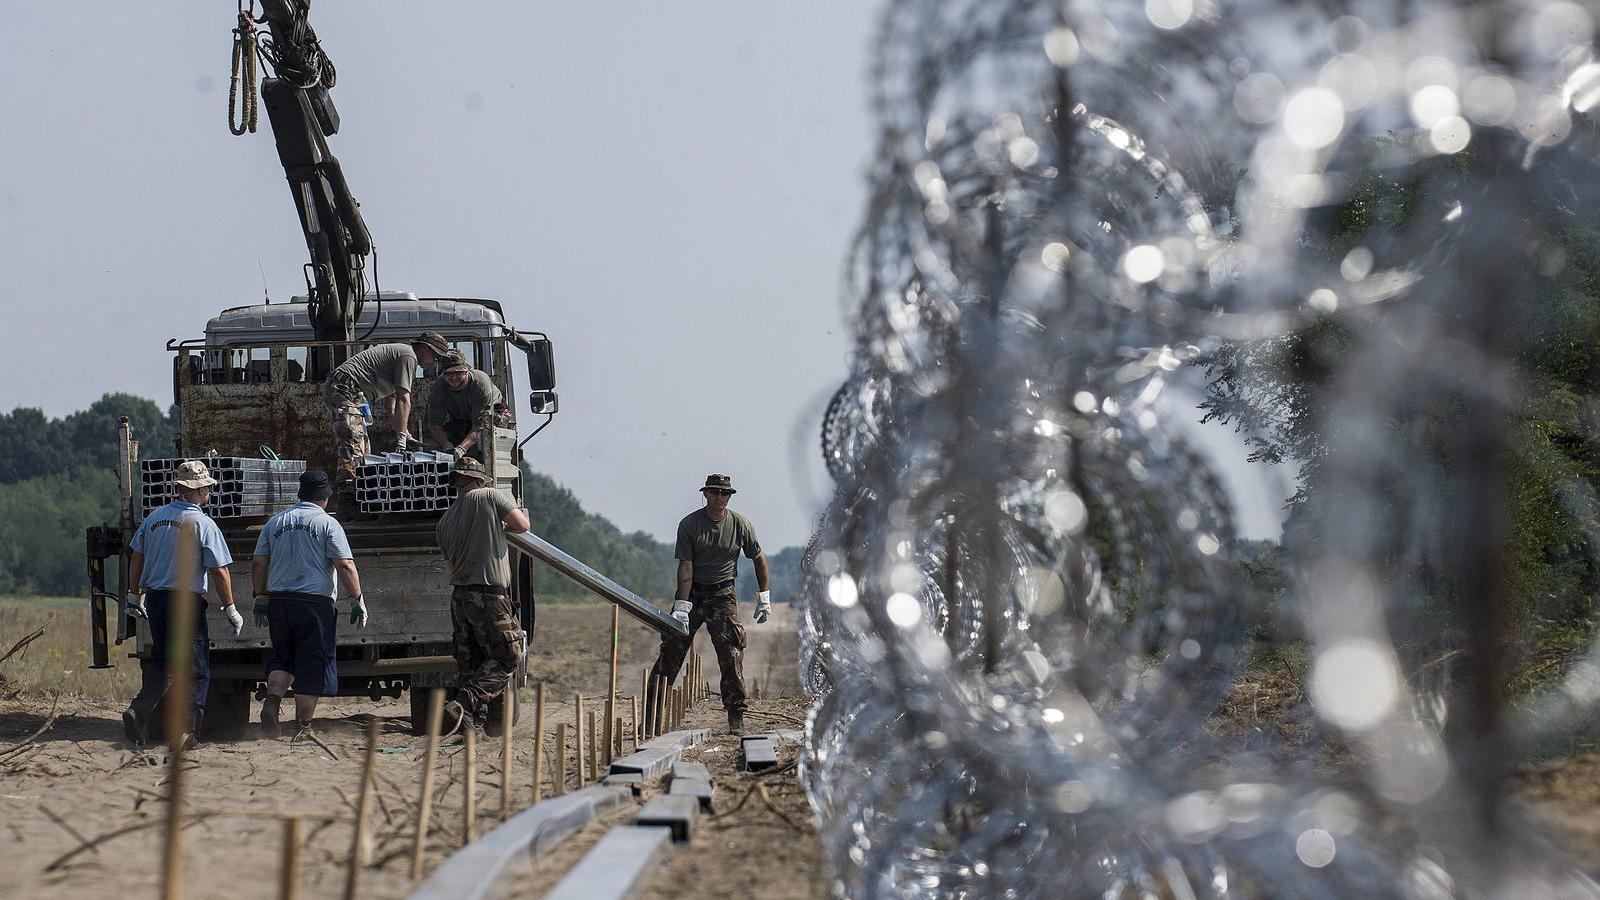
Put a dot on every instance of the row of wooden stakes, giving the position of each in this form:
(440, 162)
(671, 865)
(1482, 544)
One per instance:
(663, 710)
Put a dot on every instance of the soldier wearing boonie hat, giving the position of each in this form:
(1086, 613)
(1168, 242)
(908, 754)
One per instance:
(458, 403)
(302, 557)
(487, 641)
(156, 571)
(383, 373)
(710, 540)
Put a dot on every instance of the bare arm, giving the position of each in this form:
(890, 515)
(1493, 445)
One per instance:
(135, 573)
(763, 575)
(349, 578)
(685, 579)
(516, 521)
(400, 412)
(224, 584)
(258, 573)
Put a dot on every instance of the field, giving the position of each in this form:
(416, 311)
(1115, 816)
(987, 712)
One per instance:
(69, 780)
(58, 661)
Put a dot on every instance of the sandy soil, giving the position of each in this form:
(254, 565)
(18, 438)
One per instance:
(80, 782)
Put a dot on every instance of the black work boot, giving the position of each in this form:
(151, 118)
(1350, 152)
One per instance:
(133, 727)
(269, 716)
(736, 721)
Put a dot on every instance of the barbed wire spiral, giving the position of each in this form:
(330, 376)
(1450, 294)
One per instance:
(1022, 608)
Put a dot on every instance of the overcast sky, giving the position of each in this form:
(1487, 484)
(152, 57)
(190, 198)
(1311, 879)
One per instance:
(666, 189)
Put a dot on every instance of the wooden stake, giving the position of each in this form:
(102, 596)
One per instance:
(538, 741)
(558, 783)
(651, 717)
(633, 704)
(361, 843)
(577, 725)
(594, 748)
(611, 695)
(469, 802)
(181, 605)
(425, 804)
(289, 871)
(508, 710)
(610, 733)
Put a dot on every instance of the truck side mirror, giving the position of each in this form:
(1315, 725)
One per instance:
(544, 403)
(541, 366)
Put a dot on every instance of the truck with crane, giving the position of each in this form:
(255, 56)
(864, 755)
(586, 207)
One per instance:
(252, 385)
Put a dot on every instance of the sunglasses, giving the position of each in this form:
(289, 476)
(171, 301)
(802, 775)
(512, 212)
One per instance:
(719, 493)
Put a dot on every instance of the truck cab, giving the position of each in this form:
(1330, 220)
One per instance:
(252, 386)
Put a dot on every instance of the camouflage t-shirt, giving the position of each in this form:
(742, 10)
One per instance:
(380, 371)
(473, 538)
(713, 547)
(478, 394)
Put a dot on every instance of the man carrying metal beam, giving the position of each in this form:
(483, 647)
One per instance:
(298, 555)
(709, 542)
(383, 372)
(159, 583)
(487, 641)
(457, 404)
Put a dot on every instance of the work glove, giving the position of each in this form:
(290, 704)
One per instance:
(680, 611)
(763, 606)
(260, 611)
(133, 605)
(234, 618)
(358, 612)
(458, 453)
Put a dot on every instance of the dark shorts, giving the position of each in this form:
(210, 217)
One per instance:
(303, 634)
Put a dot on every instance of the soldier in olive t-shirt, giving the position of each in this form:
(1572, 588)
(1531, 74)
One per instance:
(710, 540)
(713, 547)
(384, 374)
(456, 402)
(487, 640)
(474, 541)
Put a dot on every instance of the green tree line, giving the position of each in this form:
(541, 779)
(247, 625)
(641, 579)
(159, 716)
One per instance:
(1279, 394)
(58, 477)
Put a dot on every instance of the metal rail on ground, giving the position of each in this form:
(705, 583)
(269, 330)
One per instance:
(474, 872)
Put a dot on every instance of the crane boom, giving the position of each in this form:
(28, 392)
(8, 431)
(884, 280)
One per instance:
(303, 117)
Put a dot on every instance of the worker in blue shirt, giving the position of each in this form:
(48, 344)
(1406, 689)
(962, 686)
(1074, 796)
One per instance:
(157, 581)
(298, 555)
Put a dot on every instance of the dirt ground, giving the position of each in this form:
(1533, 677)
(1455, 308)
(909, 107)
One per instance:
(84, 812)
(747, 846)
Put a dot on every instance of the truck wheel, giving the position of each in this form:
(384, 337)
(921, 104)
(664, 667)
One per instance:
(227, 712)
(419, 710)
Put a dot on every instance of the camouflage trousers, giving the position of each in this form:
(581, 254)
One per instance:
(349, 436)
(487, 643)
(718, 610)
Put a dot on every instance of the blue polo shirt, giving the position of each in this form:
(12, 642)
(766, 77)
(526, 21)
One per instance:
(157, 539)
(301, 544)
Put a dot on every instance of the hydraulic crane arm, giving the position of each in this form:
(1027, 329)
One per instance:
(303, 118)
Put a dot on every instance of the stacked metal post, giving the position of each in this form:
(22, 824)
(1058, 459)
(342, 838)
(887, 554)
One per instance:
(245, 486)
(405, 482)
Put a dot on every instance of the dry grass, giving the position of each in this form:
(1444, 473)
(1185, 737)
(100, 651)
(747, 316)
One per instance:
(58, 662)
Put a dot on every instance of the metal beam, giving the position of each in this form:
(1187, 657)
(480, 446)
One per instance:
(568, 565)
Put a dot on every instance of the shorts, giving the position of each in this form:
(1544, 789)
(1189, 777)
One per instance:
(303, 632)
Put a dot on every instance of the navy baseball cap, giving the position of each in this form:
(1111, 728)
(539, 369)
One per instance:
(314, 485)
